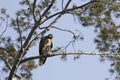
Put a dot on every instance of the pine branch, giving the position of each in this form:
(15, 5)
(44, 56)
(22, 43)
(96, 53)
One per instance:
(9, 67)
(7, 52)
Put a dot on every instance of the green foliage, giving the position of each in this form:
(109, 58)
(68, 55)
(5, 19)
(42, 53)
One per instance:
(107, 39)
(102, 14)
(26, 69)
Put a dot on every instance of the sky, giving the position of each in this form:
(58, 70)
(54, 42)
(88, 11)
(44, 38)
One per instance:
(87, 67)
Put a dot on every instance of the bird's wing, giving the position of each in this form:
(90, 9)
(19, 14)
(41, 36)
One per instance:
(51, 44)
(41, 46)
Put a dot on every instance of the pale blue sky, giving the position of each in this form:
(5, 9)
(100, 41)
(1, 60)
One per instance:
(86, 68)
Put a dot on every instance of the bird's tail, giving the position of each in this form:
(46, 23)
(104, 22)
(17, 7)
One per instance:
(42, 61)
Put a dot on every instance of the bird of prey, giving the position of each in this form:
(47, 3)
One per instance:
(45, 46)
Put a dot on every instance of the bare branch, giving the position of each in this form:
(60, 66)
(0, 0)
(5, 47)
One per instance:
(62, 4)
(19, 31)
(32, 8)
(60, 30)
(49, 7)
(67, 4)
(8, 65)
(65, 30)
(5, 28)
(34, 4)
(69, 44)
(67, 53)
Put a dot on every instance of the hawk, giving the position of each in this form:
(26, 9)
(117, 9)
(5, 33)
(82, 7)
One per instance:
(45, 46)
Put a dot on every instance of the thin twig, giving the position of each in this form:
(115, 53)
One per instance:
(8, 65)
(68, 44)
(65, 30)
(62, 4)
(60, 29)
(19, 31)
(5, 28)
(34, 5)
(67, 4)
(49, 7)
(32, 8)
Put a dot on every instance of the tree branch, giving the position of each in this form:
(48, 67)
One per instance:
(34, 4)
(65, 30)
(28, 44)
(47, 29)
(5, 28)
(25, 47)
(67, 10)
(62, 4)
(19, 31)
(67, 4)
(49, 7)
(67, 53)
(43, 32)
(32, 8)
(8, 65)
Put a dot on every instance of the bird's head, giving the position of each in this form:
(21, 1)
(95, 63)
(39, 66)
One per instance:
(50, 36)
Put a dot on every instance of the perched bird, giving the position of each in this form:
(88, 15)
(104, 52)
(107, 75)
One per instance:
(45, 46)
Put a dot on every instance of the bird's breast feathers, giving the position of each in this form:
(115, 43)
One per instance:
(49, 41)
